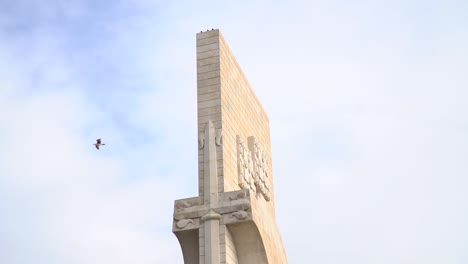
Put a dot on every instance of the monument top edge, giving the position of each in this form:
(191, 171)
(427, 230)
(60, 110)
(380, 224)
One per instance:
(208, 33)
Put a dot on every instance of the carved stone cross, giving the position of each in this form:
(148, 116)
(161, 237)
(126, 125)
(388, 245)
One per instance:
(207, 213)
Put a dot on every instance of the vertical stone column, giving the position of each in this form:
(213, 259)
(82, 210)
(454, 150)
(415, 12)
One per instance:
(211, 219)
(209, 114)
(208, 93)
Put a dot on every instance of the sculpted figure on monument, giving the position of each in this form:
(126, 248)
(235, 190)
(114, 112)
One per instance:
(261, 168)
(253, 167)
(245, 166)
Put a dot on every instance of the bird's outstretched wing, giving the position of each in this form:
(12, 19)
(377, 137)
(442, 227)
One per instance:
(97, 146)
(98, 141)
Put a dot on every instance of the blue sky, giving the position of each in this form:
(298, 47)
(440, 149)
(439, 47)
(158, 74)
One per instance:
(367, 105)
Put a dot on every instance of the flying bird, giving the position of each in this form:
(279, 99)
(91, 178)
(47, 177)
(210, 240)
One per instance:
(98, 143)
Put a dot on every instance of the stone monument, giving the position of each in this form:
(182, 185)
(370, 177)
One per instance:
(232, 220)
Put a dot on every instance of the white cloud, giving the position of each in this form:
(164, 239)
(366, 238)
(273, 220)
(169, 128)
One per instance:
(368, 118)
(64, 201)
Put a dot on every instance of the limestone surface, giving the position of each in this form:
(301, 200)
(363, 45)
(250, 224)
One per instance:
(233, 218)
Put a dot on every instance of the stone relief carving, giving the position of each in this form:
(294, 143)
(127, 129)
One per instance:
(184, 223)
(253, 167)
(201, 141)
(261, 168)
(240, 195)
(183, 205)
(219, 137)
(211, 215)
(245, 166)
(241, 215)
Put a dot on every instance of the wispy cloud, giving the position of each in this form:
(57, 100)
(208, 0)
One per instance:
(366, 102)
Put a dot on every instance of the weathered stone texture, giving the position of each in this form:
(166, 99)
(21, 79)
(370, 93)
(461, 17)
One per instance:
(243, 115)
